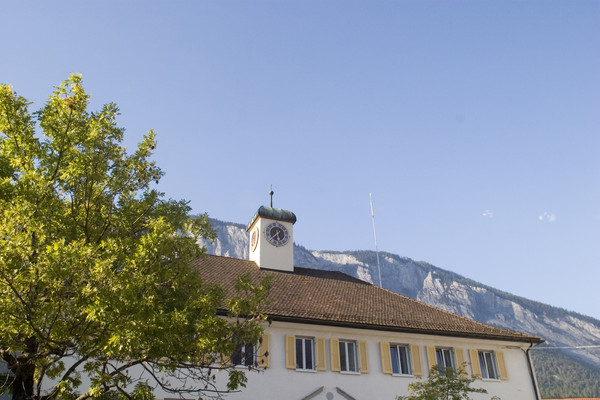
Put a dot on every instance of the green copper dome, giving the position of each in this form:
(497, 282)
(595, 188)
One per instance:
(272, 213)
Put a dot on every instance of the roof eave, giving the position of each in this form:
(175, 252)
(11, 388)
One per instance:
(526, 339)
(281, 318)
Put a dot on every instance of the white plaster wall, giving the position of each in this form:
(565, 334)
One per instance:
(281, 383)
(271, 257)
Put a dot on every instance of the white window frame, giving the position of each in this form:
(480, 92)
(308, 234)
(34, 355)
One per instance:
(302, 364)
(349, 356)
(445, 358)
(396, 351)
(488, 365)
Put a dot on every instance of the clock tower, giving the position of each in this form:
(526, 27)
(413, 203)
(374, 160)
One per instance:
(271, 239)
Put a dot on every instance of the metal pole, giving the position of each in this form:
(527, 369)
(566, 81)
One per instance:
(375, 236)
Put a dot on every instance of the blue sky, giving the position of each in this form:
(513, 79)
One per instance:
(475, 124)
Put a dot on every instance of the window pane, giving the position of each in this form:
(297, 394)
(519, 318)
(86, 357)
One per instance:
(343, 362)
(305, 348)
(248, 354)
(491, 365)
(308, 351)
(394, 355)
(439, 353)
(236, 357)
(403, 355)
(243, 354)
(352, 357)
(483, 366)
(487, 362)
(348, 360)
(299, 353)
(444, 359)
(448, 358)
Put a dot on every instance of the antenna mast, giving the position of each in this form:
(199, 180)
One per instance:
(375, 236)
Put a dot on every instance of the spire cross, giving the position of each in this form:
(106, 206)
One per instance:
(271, 193)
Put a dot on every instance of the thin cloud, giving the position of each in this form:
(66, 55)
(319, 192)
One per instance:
(488, 213)
(548, 217)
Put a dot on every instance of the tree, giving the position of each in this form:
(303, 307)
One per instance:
(96, 283)
(447, 384)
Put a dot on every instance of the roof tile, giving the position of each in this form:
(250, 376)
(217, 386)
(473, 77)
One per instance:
(334, 298)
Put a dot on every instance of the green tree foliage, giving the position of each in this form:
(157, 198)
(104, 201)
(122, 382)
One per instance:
(448, 384)
(96, 283)
(6, 173)
(561, 376)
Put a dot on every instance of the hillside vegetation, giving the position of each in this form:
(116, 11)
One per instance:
(560, 376)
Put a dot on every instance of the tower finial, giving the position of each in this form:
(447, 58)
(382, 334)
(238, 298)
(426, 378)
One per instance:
(271, 193)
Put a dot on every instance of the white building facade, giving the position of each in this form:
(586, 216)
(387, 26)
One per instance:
(370, 371)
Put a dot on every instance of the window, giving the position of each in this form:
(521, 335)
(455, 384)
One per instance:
(348, 357)
(305, 353)
(402, 359)
(252, 355)
(445, 359)
(244, 354)
(487, 363)
(400, 355)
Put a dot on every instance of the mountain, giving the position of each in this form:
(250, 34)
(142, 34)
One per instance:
(450, 291)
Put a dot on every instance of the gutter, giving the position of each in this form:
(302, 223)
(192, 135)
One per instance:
(532, 371)
(356, 325)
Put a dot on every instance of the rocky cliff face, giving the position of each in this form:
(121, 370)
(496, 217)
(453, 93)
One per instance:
(441, 288)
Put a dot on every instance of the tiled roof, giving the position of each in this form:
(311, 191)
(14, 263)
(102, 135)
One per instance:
(334, 298)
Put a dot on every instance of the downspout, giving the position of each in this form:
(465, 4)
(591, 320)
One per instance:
(532, 371)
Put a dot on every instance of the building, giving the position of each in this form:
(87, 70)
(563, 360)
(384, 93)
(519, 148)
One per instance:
(332, 336)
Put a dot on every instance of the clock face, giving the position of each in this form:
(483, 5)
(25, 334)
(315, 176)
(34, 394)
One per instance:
(254, 239)
(277, 234)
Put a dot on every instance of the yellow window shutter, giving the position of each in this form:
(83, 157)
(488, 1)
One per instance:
(334, 347)
(264, 355)
(386, 361)
(363, 358)
(475, 367)
(501, 366)
(431, 357)
(415, 356)
(290, 351)
(225, 360)
(321, 357)
(459, 355)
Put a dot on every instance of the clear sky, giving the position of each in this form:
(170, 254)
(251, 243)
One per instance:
(475, 124)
